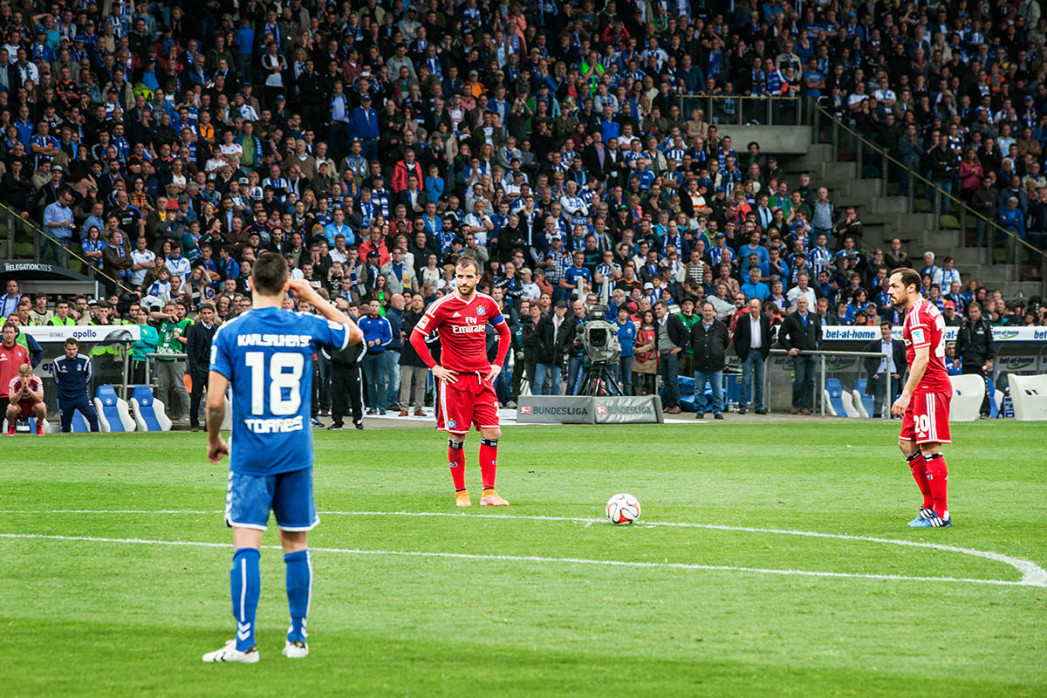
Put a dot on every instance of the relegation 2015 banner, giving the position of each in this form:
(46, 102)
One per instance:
(840, 333)
(87, 334)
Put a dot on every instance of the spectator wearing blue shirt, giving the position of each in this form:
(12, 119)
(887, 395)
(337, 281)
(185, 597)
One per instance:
(58, 220)
(577, 277)
(338, 227)
(754, 288)
(363, 124)
(1011, 218)
(627, 341)
(377, 336)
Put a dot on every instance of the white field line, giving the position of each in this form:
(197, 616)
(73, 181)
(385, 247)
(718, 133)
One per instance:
(1032, 574)
(534, 558)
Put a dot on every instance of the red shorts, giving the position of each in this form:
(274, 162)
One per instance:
(471, 401)
(25, 409)
(926, 420)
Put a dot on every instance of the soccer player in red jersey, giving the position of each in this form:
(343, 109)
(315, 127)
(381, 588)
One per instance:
(465, 377)
(26, 392)
(924, 402)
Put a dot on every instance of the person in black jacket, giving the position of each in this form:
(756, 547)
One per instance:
(709, 343)
(198, 355)
(672, 339)
(557, 334)
(347, 379)
(413, 369)
(531, 339)
(801, 333)
(752, 343)
(879, 368)
(976, 348)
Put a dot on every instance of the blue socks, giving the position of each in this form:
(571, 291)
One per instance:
(245, 581)
(299, 589)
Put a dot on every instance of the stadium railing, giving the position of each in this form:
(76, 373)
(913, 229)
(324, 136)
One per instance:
(742, 110)
(22, 239)
(873, 162)
(847, 366)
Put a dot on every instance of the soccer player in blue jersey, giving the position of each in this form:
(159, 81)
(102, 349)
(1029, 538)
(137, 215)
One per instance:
(266, 356)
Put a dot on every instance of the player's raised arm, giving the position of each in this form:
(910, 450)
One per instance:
(303, 291)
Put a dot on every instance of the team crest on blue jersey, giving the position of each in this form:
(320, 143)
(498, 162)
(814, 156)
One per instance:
(480, 310)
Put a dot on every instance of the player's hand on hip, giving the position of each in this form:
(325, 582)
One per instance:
(216, 450)
(900, 405)
(445, 374)
(495, 370)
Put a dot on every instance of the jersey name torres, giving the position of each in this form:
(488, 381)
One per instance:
(267, 355)
(924, 326)
(463, 330)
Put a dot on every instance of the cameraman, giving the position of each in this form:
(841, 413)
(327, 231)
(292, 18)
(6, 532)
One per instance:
(976, 349)
(576, 349)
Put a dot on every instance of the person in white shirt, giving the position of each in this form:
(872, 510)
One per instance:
(142, 260)
(530, 290)
(801, 289)
(177, 264)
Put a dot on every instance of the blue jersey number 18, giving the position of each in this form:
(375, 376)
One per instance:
(285, 373)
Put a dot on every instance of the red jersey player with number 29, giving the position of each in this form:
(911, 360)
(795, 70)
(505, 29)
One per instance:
(924, 402)
(465, 377)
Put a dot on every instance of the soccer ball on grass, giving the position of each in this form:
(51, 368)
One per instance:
(623, 509)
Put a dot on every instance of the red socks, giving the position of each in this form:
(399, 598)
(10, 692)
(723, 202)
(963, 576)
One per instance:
(488, 462)
(919, 473)
(456, 459)
(938, 482)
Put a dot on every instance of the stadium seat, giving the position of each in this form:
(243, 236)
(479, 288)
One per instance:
(113, 413)
(150, 413)
(856, 401)
(79, 424)
(1029, 396)
(840, 402)
(863, 402)
(967, 395)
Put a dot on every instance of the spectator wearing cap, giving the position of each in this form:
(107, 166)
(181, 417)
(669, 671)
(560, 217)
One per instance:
(363, 125)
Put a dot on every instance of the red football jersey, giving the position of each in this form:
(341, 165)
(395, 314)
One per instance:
(463, 330)
(924, 326)
(35, 384)
(10, 359)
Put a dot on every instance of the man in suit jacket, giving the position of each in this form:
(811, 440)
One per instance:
(879, 368)
(802, 333)
(673, 338)
(595, 156)
(752, 343)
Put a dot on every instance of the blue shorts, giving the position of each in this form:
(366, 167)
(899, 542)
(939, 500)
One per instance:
(250, 498)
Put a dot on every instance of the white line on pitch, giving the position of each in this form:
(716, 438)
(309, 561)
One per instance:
(535, 558)
(1032, 574)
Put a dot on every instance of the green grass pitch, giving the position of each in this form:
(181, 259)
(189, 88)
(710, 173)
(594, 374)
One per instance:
(130, 616)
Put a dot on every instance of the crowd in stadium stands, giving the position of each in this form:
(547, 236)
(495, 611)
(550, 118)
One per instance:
(373, 143)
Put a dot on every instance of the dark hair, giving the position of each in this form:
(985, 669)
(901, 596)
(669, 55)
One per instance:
(269, 274)
(468, 262)
(908, 277)
(72, 342)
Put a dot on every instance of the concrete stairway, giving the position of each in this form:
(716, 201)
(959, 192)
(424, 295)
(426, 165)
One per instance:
(887, 217)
